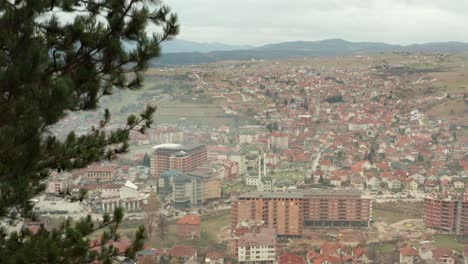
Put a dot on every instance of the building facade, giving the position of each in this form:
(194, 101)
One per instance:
(336, 209)
(100, 173)
(447, 212)
(257, 248)
(189, 226)
(281, 211)
(177, 157)
(289, 212)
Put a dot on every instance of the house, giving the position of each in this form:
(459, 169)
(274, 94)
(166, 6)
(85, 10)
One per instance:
(332, 248)
(190, 261)
(360, 255)
(465, 254)
(182, 253)
(408, 255)
(214, 257)
(459, 184)
(257, 247)
(189, 226)
(149, 255)
(327, 260)
(374, 183)
(412, 185)
(311, 256)
(289, 258)
(443, 256)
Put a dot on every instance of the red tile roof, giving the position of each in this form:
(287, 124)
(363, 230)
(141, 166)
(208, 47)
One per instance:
(189, 220)
(214, 255)
(182, 251)
(289, 258)
(408, 252)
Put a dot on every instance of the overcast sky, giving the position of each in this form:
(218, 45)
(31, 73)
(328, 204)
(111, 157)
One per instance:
(258, 22)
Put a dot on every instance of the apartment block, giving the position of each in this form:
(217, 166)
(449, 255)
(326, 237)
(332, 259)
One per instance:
(447, 212)
(289, 212)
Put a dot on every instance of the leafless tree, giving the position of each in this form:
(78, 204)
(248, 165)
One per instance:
(152, 214)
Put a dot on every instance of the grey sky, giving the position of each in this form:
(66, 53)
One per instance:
(258, 22)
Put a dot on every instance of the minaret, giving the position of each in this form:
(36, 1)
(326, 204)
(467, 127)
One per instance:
(259, 167)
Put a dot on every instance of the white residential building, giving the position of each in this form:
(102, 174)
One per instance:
(258, 248)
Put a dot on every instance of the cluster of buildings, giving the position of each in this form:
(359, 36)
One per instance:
(346, 129)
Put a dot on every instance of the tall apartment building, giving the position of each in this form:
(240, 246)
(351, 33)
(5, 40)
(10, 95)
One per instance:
(177, 157)
(278, 140)
(189, 189)
(336, 208)
(281, 211)
(289, 212)
(447, 211)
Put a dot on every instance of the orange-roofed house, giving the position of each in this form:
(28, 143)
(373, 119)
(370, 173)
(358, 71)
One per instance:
(182, 253)
(289, 258)
(189, 226)
(214, 257)
(327, 260)
(408, 255)
(361, 255)
(443, 256)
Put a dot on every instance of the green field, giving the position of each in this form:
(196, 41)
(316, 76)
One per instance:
(396, 212)
(237, 186)
(447, 241)
(383, 247)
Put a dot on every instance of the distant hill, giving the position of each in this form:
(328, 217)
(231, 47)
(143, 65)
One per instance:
(179, 45)
(298, 49)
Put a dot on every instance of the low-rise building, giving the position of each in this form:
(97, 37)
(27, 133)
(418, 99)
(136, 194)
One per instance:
(189, 226)
(214, 257)
(129, 198)
(258, 248)
(289, 258)
(408, 255)
(182, 253)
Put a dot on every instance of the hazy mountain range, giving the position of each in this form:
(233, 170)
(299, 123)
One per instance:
(179, 45)
(179, 52)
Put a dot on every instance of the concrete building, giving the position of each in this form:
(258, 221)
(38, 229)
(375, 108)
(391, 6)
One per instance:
(257, 248)
(129, 198)
(336, 208)
(194, 188)
(177, 157)
(289, 212)
(100, 173)
(281, 211)
(278, 140)
(447, 212)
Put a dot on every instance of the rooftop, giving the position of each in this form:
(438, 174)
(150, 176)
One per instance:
(176, 147)
(302, 193)
(189, 220)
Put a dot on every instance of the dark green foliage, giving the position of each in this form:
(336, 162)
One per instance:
(334, 99)
(49, 68)
(272, 127)
(69, 243)
(146, 160)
